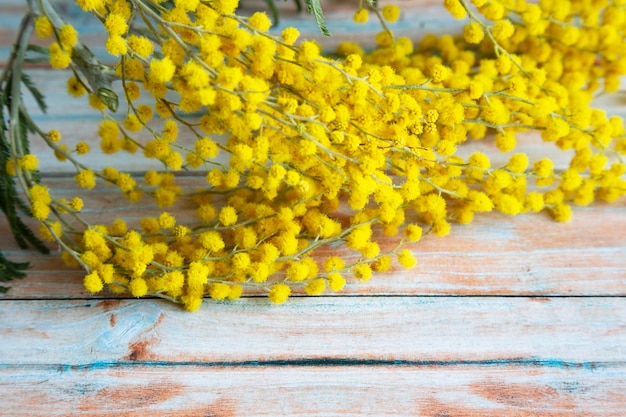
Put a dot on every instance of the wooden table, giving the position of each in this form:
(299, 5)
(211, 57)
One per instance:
(505, 317)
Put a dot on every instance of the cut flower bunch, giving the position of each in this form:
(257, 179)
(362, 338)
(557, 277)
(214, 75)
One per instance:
(301, 150)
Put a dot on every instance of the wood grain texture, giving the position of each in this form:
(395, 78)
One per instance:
(459, 390)
(509, 316)
(405, 329)
(401, 356)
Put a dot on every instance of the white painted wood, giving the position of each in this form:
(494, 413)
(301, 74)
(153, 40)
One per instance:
(463, 390)
(412, 329)
(65, 352)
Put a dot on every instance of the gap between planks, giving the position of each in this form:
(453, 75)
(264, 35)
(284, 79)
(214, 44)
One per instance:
(323, 363)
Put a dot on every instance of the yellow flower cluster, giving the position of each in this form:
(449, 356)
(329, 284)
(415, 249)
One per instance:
(322, 151)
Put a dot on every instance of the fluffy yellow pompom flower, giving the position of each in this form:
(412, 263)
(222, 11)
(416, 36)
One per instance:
(43, 27)
(141, 45)
(219, 291)
(506, 141)
(315, 287)
(82, 148)
(166, 220)
(406, 259)
(479, 160)
(361, 16)
(138, 287)
(455, 8)
(126, 182)
(518, 163)
(225, 6)
(336, 282)
(59, 59)
(440, 73)
(54, 135)
(162, 70)
(206, 148)
(228, 216)
(290, 35)
(170, 130)
(174, 161)
(562, 212)
(68, 37)
(132, 123)
(543, 167)
(86, 179)
(260, 21)
(116, 24)
(118, 227)
(28, 162)
(75, 88)
(279, 293)
(384, 39)
(413, 232)
(297, 271)
(473, 33)
(502, 30)
(116, 45)
(190, 5)
(89, 5)
(363, 272)
(93, 283)
(334, 263)
(76, 203)
(391, 13)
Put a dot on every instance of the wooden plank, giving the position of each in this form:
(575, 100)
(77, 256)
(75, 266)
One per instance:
(350, 357)
(91, 333)
(496, 254)
(435, 390)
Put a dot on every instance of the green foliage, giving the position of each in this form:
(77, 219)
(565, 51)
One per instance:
(273, 10)
(39, 98)
(10, 271)
(314, 7)
(14, 127)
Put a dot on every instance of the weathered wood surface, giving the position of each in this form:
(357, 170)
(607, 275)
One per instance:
(316, 356)
(505, 317)
(43, 333)
(428, 390)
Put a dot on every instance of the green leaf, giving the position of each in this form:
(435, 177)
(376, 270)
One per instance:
(38, 49)
(38, 54)
(373, 3)
(10, 200)
(39, 98)
(313, 6)
(273, 9)
(10, 271)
